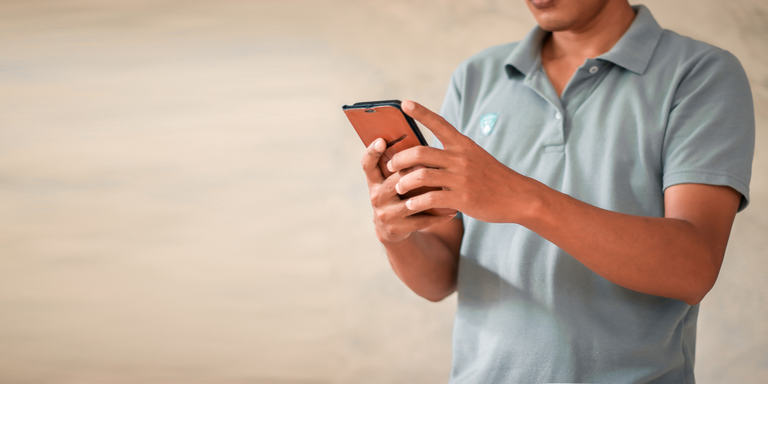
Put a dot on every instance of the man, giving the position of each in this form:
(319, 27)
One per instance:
(597, 166)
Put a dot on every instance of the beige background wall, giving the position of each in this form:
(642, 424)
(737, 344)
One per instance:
(181, 198)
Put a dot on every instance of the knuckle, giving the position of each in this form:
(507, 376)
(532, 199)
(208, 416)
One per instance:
(462, 163)
(375, 195)
(386, 216)
(380, 215)
(390, 184)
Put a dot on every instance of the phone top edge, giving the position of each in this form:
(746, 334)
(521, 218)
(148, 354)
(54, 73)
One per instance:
(392, 102)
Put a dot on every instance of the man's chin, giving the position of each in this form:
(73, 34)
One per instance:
(549, 14)
(554, 25)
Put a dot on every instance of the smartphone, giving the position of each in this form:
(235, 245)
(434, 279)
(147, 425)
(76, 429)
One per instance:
(386, 120)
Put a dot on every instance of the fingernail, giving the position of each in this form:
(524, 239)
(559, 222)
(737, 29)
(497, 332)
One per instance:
(409, 105)
(379, 144)
(408, 204)
(389, 166)
(397, 187)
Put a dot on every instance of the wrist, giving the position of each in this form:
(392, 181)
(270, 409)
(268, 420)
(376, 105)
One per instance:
(532, 203)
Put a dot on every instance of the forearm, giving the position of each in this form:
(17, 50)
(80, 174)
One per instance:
(661, 256)
(425, 264)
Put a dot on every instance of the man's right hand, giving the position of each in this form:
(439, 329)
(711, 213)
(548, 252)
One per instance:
(394, 222)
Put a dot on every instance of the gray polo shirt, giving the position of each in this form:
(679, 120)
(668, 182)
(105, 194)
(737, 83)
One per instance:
(657, 110)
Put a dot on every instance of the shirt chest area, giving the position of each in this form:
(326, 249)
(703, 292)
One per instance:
(607, 122)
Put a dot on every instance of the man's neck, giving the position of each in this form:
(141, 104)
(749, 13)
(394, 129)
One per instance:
(591, 38)
(564, 51)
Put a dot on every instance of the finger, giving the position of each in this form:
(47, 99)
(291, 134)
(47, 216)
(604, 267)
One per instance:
(388, 186)
(370, 161)
(397, 216)
(412, 224)
(420, 155)
(399, 211)
(443, 130)
(423, 177)
(387, 190)
(407, 222)
(430, 200)
(423, 221)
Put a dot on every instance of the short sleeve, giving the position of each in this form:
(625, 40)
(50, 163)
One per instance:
(710, 135)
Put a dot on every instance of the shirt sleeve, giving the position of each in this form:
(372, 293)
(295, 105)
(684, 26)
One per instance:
(710, 135)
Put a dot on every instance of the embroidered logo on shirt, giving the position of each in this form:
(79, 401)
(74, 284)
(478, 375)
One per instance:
(487, 122)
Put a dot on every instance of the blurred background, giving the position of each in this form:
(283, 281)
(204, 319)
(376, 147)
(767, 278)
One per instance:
(181, 198)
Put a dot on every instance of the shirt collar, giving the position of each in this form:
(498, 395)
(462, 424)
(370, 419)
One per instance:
(632, 52)
(525, 55)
